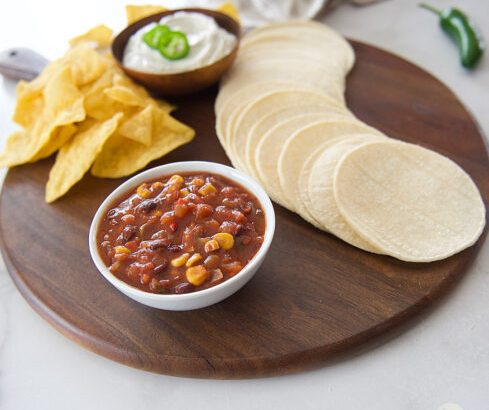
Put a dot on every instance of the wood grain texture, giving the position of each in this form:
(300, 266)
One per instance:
(314, 295)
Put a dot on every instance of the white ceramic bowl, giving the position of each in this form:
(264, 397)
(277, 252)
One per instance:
(202, 298)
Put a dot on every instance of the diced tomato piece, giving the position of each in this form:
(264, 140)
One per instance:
(228, 191)
(181, 208)
(114, 268)
(223, 213)
(239, 217)
(230, 227)
(120, 257)
(211, 227)
(134, 271)
(203, 211)
(172, 196)
(246, 207)
(167, 218)
(132, 245)
(145, 278)
(232, 268)
(129, 218)
(194, 198)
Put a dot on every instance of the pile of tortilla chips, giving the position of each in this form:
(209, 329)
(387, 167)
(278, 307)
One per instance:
(86, 109)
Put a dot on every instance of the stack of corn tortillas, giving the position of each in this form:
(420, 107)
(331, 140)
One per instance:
(281, 117)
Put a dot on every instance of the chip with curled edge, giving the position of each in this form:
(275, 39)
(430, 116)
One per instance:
(122, 156)
(75, 158)
(100, 35)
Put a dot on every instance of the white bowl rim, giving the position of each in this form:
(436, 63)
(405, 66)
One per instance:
(164, 170)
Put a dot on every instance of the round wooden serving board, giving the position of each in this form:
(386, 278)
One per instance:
(314, 295)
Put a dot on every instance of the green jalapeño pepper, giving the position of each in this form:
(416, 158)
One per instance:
(153, 37)
(459, 27)
(174, 45)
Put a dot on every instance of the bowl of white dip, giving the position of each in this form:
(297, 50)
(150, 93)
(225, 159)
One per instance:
(211, 41)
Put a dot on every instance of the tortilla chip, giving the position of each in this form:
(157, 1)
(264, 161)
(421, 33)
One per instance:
(30, 100)
(60, 104)
(60, 93)
(97, 104)
(35, 87)
(126, 96)
(121, 80)
(229, 9)
(14, 148)
(135, 13)
(114, 92)
(109, 61)
(29, 106)
(139, 127)
(19, 140)
(122, 156)
(101, 35)
(101, 107)
(99, 85)
(86, 64)
(59, 138)
(75, 158)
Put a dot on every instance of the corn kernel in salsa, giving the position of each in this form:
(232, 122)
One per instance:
(181, 233)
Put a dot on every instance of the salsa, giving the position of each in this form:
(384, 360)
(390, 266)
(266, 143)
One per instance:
(181, 233)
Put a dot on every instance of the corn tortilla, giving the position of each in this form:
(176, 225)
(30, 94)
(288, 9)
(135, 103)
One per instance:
(322, 204)
(298, 146)
(268, 151)
(265, 124)
(410, 202)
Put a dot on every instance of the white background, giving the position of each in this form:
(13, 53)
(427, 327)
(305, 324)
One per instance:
(443, 358)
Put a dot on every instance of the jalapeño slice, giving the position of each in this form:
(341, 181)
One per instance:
(174, 45)
(153, 37)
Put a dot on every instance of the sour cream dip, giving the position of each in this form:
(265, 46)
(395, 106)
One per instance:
(208, 43)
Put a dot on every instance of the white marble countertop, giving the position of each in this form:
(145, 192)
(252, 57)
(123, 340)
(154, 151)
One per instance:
(443, 358)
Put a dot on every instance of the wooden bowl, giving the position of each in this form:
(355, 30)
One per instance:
(186, 82)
